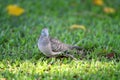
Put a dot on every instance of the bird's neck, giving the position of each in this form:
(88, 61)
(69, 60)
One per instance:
(42, 37)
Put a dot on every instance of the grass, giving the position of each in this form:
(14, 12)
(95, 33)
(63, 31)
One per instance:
(20, 58)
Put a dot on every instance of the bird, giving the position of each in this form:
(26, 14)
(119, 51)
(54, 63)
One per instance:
(51, 47)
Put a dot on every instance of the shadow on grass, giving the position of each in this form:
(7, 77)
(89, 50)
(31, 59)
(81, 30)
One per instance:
(34, 59)
(37, 55)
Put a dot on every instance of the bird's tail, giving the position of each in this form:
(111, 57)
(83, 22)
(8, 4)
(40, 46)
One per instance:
(75, 47)
(78, 49)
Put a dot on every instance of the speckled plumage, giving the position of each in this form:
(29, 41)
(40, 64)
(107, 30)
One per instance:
(52, 47)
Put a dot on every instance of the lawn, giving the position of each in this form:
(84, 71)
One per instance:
(20, 58)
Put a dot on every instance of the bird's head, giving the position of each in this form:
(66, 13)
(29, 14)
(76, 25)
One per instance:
(45, 32)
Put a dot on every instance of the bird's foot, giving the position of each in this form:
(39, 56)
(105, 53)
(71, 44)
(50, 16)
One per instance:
(69, 55)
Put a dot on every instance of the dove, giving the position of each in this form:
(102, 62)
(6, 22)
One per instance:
(51, 46)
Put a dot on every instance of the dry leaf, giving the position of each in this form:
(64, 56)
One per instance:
(98, 2)
(110, 55)
(15, 10)
(75, 26)
(109, 10)
(3, 79)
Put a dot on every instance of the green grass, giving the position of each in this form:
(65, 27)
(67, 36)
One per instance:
(20, 58)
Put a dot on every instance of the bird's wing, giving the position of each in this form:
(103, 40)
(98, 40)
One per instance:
(58, 46)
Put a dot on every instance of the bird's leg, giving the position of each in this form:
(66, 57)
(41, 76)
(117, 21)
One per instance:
(69, 55)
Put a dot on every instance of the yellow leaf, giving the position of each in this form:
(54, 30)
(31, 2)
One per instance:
(109, 10)
(98, 2)
(15, 10)
(3, 79)
(75, 26)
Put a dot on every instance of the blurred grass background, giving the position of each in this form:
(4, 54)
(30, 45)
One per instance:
(21, 59)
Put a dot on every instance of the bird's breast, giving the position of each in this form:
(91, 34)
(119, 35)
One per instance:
(45, 49)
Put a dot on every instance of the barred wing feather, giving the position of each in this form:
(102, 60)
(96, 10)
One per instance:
(58, 46)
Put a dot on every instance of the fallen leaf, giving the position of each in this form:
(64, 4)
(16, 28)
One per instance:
(110, 55)
(15, 10)
(109, 10)
(3, 79)
(75, 26)
(98, 2)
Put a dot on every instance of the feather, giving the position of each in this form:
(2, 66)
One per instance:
(58, 46)
(52, 47)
